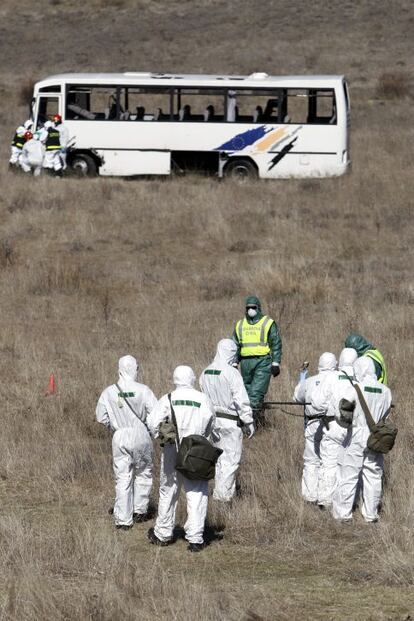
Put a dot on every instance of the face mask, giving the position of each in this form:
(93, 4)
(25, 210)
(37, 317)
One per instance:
(252, 312)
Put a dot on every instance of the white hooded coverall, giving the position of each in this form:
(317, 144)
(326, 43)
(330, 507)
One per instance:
(31, 158)
(64, 141)
(194, 415)
(52, 159)
(131, 442)
(357, 460)
(325, 400)
(15, 152)
(313, 426)
(225, 390)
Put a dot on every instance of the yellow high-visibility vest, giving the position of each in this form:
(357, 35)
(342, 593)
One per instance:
(376, 355)
(253, 337)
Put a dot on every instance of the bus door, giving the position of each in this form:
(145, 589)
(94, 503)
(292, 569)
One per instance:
(47, 106)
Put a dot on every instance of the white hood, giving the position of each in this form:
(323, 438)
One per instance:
(364, 368)
(226, 352)
(327, 362)
(128, 368)
(184, 377)
(347, 357)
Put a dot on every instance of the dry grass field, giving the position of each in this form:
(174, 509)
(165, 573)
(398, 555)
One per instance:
(94, 269)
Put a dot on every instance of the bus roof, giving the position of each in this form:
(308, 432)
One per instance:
(164, 79)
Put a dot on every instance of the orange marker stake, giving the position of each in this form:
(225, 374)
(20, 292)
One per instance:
(51, 388)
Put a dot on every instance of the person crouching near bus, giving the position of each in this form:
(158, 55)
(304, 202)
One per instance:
(51, 138)
(31, 158)
(18, 144)
(357, 460)
(313, 424)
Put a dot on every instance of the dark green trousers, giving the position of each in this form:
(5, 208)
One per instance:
(256, 377)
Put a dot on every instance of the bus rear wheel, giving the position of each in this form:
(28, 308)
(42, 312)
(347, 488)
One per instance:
(240, 169)
(83, 165)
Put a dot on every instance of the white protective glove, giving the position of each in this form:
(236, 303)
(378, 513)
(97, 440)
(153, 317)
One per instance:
(250, 430)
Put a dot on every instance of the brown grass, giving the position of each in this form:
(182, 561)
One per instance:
(26, 92)
(94, 269)
(393, 85)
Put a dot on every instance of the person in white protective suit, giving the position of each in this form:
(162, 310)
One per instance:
(18, 143)
(225, 389)
(50, 137)
(64, 138)
(313, 425)
(357, 460)
(194, 415)
(123, 408)
(325, 401)
(31, 158)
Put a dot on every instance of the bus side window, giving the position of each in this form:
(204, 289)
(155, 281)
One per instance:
(146, 103)
(322, 107)
(248, 105)
(295, 108)
(91, 103)
(199, 105)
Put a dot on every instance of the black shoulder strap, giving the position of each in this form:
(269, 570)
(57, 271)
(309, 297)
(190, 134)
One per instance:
(364, 404)
(132, 409)
(174, 420)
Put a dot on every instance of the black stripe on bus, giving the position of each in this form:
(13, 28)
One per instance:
(307, 152)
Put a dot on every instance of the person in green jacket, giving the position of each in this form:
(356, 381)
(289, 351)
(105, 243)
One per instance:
(365, 348)
(259, 351)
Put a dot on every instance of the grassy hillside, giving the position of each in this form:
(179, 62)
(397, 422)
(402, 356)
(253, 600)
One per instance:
(93, 269)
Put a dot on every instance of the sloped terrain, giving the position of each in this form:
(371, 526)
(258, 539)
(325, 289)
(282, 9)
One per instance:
(93, 269)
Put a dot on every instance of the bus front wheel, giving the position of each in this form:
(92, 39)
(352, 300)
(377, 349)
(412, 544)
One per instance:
(240, 169)
(83, 165)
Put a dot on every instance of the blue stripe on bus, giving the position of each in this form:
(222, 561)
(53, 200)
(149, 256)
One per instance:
(244, 139)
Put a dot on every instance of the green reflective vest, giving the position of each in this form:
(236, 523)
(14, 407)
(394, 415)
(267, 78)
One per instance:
(377, 356)
(253, 338)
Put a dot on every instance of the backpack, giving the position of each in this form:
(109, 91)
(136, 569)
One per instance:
(167, 433)
(383, 434)
(196, 456)
(346, 413)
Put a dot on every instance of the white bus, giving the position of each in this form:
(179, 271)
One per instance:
(155, 123)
